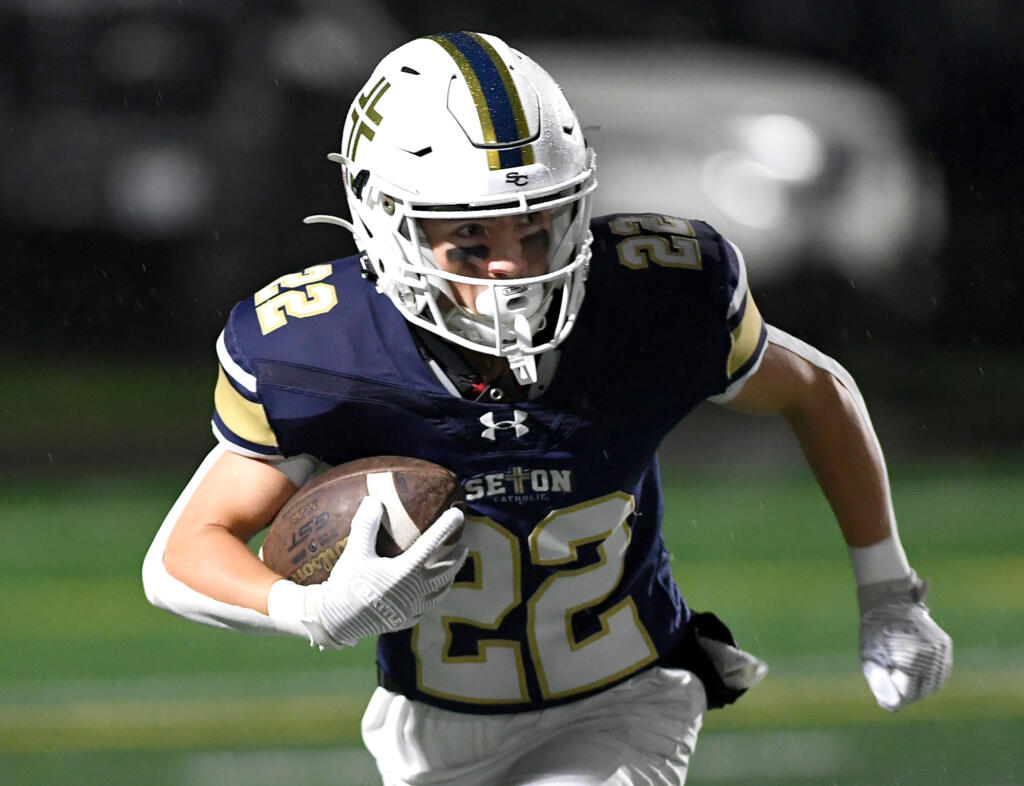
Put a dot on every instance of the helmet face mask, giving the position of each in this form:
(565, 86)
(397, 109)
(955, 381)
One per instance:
(461, 126)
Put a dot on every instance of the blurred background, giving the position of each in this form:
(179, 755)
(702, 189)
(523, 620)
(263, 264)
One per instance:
(160, 155)
(157, 160)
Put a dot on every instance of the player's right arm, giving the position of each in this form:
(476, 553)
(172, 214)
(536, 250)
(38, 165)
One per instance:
(234, 500)
(199, 564)
(201, 567)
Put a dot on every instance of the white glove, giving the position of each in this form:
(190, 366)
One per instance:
(367, 594)
(904, 654)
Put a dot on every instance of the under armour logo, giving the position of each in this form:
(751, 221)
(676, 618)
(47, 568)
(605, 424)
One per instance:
(493, 426)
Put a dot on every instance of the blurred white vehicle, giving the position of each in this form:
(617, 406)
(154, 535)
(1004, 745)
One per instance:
(796, 162)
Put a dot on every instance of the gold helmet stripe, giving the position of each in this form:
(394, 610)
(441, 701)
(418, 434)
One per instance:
(496, 97)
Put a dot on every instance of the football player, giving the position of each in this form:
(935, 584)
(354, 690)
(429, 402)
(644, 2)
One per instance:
(490, 325)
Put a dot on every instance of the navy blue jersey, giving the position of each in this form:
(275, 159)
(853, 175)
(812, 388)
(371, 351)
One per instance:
(568, 588)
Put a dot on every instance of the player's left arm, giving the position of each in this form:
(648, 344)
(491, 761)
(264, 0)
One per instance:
(827, 414)
(905, 655)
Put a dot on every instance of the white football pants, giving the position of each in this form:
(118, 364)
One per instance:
(641, 731)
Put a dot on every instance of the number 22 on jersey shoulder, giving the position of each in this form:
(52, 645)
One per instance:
(494, 672)
(303, 294)
(649, 238)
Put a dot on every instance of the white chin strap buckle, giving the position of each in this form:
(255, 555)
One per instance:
(519, 302)
(523, 366)
(506, 301)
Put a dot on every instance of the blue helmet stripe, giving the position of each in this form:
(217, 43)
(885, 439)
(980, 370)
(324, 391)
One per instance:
(505, 122)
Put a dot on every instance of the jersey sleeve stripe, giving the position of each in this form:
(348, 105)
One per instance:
(747, 339)
(235, 445)
(239, 375)
(241, 417)
(739, 296)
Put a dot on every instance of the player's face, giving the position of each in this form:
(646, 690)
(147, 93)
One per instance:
(491, 248)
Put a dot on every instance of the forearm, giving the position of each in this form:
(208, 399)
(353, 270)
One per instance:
(839, 444)
(831, 421)
(904, 654)
(218, 565)
(822, 404)
(213, 578)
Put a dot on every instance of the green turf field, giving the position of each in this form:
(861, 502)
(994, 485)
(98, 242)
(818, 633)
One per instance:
(97, 687)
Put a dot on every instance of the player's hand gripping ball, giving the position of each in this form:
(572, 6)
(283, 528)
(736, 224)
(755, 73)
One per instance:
(309, 533)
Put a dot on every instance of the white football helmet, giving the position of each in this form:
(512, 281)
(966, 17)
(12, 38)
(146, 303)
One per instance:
(463, 126)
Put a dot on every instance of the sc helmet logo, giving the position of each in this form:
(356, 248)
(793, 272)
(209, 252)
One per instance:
(516, 179)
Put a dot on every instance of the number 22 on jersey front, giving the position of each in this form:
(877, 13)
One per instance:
(495, 672)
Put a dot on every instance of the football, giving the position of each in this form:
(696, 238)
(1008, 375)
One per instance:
(309, 533)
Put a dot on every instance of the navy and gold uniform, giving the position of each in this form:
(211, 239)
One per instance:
(568, 587)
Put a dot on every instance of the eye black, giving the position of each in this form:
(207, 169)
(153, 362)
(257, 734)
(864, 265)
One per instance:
(538, 241)
(462, 253)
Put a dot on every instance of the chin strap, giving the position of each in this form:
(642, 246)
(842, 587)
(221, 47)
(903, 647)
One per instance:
(524, 366)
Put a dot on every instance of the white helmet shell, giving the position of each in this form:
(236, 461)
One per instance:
(461, 125)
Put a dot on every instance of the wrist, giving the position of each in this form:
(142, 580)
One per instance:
(882, 561)
(288, 607)
(295, 609)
